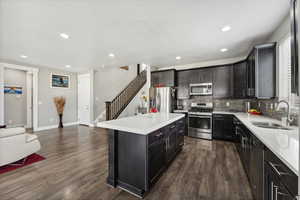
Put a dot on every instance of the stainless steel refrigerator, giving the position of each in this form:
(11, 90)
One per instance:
(162, 98)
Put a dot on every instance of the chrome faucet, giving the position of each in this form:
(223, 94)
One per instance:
(289, 119)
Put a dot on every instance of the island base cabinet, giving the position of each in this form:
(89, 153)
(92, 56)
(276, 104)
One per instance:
(136, 161)
(131, 162)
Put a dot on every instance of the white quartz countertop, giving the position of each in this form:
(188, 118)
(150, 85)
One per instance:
(283, 143)
(141, 124)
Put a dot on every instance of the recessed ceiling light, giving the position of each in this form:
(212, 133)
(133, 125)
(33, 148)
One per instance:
(178, 58)
(68, 66)
(64, 35)
(23, 56)
(226, 28)
(223, 50)
(111, 55)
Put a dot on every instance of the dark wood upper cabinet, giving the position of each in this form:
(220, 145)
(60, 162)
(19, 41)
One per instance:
(294, 46)
(265, 70)
(261, 72)
(183, 81)
(164, 78)
(251, 74)
(240, 80)
(223, 82)
(206, 75)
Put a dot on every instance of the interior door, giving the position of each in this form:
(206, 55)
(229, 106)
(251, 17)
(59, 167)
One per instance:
(84, 88)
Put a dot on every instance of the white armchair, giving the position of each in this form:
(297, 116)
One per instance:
(15, 145)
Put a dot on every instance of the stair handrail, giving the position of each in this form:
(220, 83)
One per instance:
(115, 107)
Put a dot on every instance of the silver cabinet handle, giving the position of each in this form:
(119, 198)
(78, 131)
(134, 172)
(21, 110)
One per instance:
(173, 126)
(158, 135)
(272, 190)
(276, 192)
(274, 166)
(166, 144)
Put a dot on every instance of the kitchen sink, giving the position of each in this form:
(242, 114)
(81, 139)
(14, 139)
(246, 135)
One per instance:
(270, 125)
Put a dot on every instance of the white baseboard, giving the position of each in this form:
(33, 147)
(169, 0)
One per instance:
(42, 128)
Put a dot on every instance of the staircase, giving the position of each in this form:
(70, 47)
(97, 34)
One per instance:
(115, 107)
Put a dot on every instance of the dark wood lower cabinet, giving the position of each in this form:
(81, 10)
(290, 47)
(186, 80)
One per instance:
(269, 177)
(274, 189)
(223, 128)
(137, 161)
(256, 169)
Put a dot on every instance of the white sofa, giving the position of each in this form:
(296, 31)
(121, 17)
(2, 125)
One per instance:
(16, 144)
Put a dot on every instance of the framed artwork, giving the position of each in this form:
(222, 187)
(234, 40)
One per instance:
(59, 81)
(12, 90)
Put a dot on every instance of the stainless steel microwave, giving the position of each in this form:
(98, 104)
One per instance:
(201, 89)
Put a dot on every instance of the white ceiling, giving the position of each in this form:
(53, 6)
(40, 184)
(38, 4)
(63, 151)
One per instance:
(136, 31)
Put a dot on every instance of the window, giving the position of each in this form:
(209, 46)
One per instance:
(285, 75)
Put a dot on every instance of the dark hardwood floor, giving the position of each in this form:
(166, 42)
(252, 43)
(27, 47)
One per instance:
(76, 168)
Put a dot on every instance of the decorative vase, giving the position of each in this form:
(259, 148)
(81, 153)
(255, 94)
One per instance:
(60, 121)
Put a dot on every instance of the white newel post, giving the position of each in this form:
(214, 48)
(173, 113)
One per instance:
(1, 95)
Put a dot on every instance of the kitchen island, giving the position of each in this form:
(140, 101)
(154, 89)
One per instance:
(141, 148)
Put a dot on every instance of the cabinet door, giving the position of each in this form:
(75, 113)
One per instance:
(163, 78)
(245, 150)
(180, 131)
(154, 79)
(167, 78)
(223, 82)
(240, 80)
(205, 75)
(257, 168)
(156, 160)
(266, 72)
(228, 128)
(171, 142)
(251, 74)
(274, 189)
(218, 126)
(183, 84)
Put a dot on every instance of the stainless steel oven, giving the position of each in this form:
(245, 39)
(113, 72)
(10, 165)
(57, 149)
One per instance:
(200, 120)
(201, 89)
(200, 125)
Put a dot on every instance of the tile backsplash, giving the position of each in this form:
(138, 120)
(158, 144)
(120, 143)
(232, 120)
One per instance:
(267, 107)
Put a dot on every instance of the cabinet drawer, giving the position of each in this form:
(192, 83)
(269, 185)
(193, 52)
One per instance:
(286, 176)
(181, 122)
(156, 136)
(172, 127)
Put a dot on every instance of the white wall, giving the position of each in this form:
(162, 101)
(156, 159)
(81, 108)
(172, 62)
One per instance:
(109, 82)
(47, 111)
(281, 32)
(1, 95)
(132, 107)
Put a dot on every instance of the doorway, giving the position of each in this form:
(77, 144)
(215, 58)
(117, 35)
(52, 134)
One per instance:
(84, 99)
(18, 98)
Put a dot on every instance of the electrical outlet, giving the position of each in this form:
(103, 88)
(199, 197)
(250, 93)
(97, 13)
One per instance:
(227, 104)
(51, 119)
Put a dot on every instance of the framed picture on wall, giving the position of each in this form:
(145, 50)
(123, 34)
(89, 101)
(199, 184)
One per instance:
(59, 81)
(12, 90)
